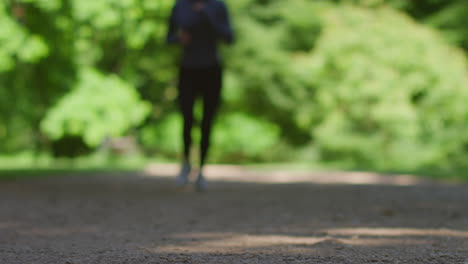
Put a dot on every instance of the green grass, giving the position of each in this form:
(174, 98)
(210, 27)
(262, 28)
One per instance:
(28, 165)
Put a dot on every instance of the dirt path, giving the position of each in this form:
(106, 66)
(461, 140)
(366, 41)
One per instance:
(246, 217)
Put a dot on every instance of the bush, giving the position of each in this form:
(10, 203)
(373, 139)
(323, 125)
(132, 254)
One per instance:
(238, 137)
(98, 107)
(164, 136)
(384, 92)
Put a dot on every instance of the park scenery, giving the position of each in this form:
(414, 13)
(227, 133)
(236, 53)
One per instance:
(341, 137)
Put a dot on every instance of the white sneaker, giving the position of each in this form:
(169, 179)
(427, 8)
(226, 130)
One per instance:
(183, 177)
(201, 184)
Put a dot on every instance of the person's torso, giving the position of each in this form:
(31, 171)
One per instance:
(202, 49)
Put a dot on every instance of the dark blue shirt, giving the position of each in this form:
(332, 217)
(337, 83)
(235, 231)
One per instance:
(205, 27)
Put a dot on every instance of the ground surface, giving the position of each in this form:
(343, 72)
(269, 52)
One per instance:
(246, 217)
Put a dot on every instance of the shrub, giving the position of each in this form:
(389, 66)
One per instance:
(384, 91)
(98, 107)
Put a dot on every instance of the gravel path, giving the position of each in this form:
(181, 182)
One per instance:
(246, 217)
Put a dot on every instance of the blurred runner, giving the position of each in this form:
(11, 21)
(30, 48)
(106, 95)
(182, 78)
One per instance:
(198, 26)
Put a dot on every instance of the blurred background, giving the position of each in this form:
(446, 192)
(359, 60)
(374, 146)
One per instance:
(377, 85)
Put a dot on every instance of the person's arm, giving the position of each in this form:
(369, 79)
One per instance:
(174, 34)
(218, 16)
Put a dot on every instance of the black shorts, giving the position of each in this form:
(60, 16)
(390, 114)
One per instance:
(205, 82)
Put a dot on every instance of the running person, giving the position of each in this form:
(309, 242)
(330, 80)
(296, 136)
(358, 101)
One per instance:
(198, 25)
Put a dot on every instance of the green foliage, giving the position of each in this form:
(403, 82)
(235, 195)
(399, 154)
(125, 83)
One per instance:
(449, 16)
(42, 69)
(98, 107)
(378, 87)
(17, 43)
(452, 20)
(353, 81)
(43, 44)
(272, 36)
(164, 136)
(356, 82)
(240, 137)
